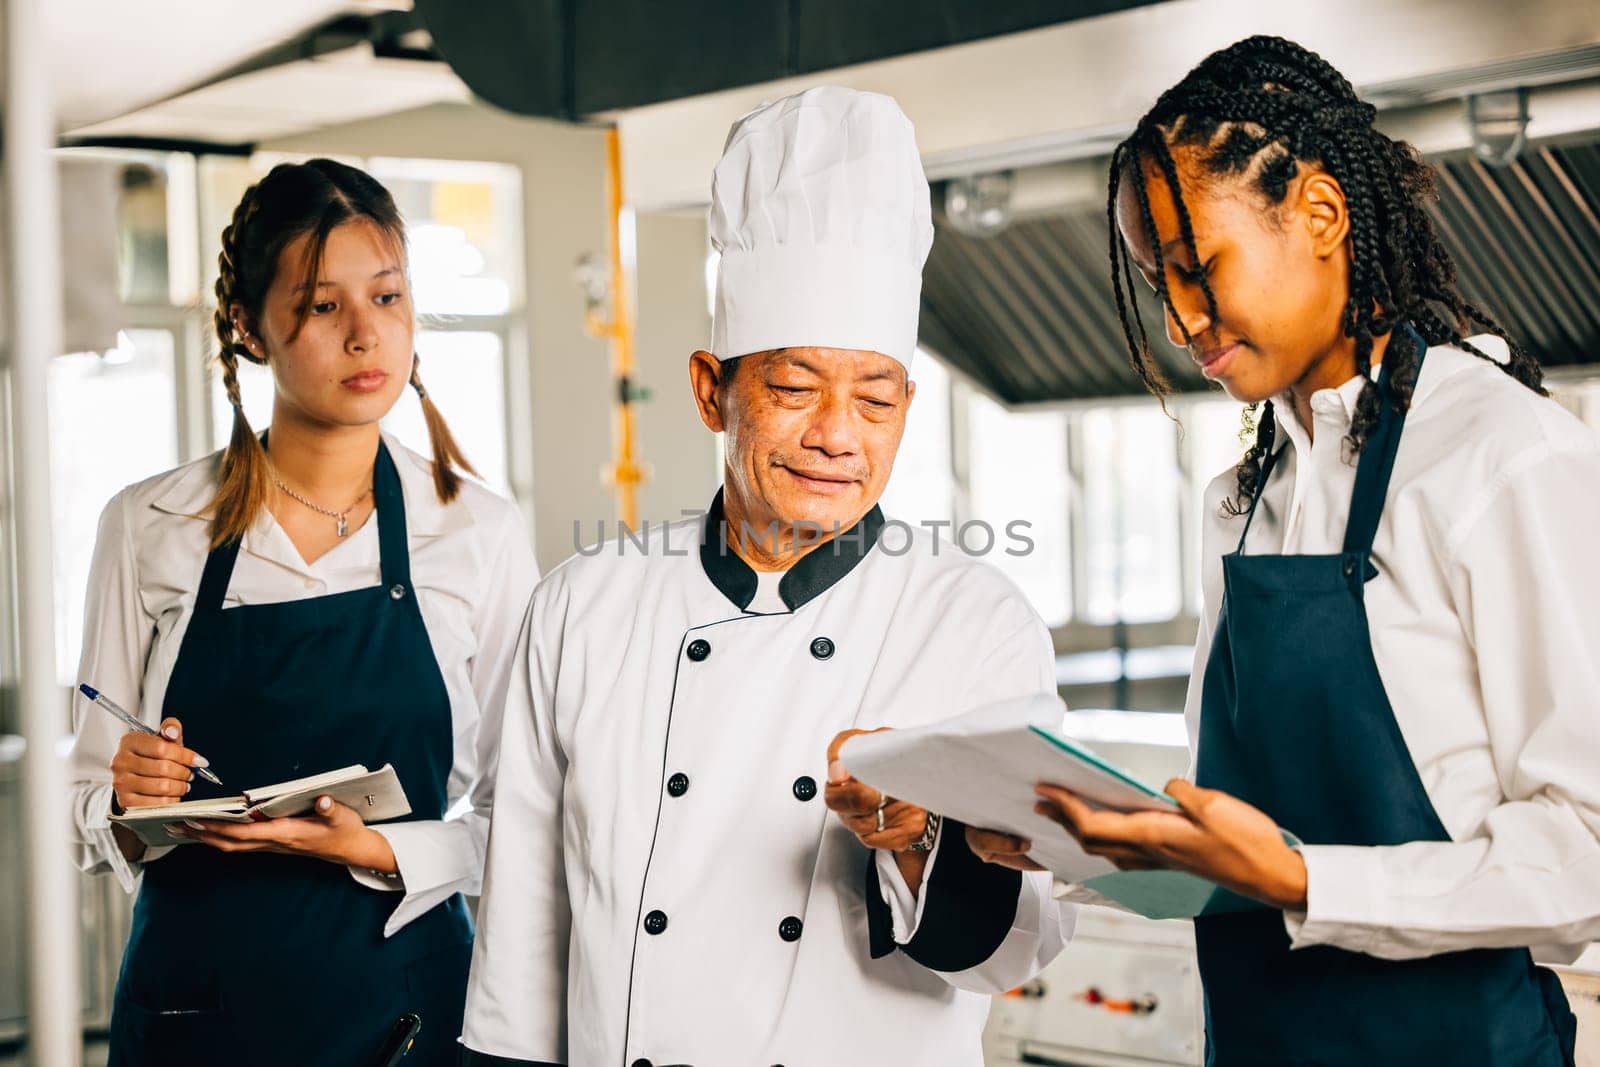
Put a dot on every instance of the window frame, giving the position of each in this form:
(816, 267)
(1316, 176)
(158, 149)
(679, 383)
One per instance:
(1077, 634)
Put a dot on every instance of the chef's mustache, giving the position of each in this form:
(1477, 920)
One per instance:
(847, 472)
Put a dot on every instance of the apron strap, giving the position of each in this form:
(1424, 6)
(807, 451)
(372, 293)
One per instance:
(214, 579)
(393, 548)
(1266, 434)
(1377, 459)
(219, 569)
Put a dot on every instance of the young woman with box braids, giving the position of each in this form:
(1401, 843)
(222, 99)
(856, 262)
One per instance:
(1392, 705)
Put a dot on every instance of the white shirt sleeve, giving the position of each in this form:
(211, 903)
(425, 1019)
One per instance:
(1526, 580)
(517, 991)
(905, 906)
(438, 858)
(117, 635)
(1197, 683)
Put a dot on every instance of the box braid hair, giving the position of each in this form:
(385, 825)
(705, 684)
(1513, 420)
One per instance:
(1259, 109)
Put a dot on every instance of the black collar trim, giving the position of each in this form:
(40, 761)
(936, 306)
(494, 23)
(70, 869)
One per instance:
(816, 572)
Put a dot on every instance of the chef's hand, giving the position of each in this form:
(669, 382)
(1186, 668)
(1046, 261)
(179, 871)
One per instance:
(857, 803)
(1004, 850)
(333, 832)
(1216, 836)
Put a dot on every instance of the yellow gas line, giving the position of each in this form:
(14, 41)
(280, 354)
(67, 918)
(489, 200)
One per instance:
(625, 473)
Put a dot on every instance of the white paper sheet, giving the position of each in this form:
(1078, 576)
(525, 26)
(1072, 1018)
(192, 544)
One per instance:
(981, 768)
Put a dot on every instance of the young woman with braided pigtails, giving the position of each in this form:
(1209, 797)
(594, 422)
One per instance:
(313, 597)
(1400, 659)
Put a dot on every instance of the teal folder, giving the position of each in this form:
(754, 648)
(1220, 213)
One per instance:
(1155, 894)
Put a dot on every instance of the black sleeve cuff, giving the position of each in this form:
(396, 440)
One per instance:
(471, 1058)
(969, 908)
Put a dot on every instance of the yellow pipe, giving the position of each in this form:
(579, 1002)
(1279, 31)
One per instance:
(625, 474)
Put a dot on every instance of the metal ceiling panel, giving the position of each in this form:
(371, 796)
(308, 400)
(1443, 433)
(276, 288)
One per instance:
(1526, 241)
(1029, 313)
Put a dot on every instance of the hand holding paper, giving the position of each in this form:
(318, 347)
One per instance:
(878, 820)
(982, 769)
(1217, 837)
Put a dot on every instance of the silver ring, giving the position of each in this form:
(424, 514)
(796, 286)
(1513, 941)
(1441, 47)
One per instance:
(879, 813)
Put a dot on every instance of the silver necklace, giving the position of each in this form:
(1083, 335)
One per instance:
(344, 526)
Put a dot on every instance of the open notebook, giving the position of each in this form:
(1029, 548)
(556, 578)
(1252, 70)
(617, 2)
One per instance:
(981, 768)
(375, 795)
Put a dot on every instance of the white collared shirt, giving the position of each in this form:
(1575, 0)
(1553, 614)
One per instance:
(1485, 623)
(473, 569)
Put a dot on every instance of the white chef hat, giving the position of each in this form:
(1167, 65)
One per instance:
(821, 213)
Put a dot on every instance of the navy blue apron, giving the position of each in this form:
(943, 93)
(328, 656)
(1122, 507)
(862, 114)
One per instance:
(253, 959)
(1294, 719)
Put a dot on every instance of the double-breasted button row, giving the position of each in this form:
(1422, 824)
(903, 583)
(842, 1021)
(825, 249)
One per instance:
(804, 788)
(700, 649)
(789, 929)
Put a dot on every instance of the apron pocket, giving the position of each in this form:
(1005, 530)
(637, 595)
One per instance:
(171, 1037)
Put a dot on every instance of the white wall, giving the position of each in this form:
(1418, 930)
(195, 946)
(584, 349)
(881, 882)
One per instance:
(673, 321)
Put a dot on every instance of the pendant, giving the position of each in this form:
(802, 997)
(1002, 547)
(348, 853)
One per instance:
(343, 528)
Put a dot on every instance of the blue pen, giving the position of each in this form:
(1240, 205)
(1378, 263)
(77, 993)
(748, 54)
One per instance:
(96, 697)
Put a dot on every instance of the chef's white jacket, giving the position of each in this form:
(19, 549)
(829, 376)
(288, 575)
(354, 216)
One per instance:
(1485, 621)
(473, 569)
(664, 884)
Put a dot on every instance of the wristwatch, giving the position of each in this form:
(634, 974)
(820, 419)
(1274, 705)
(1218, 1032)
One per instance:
(930, 835)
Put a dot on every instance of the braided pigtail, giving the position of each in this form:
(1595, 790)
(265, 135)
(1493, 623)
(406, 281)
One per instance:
(245, 478)
(447, 454)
